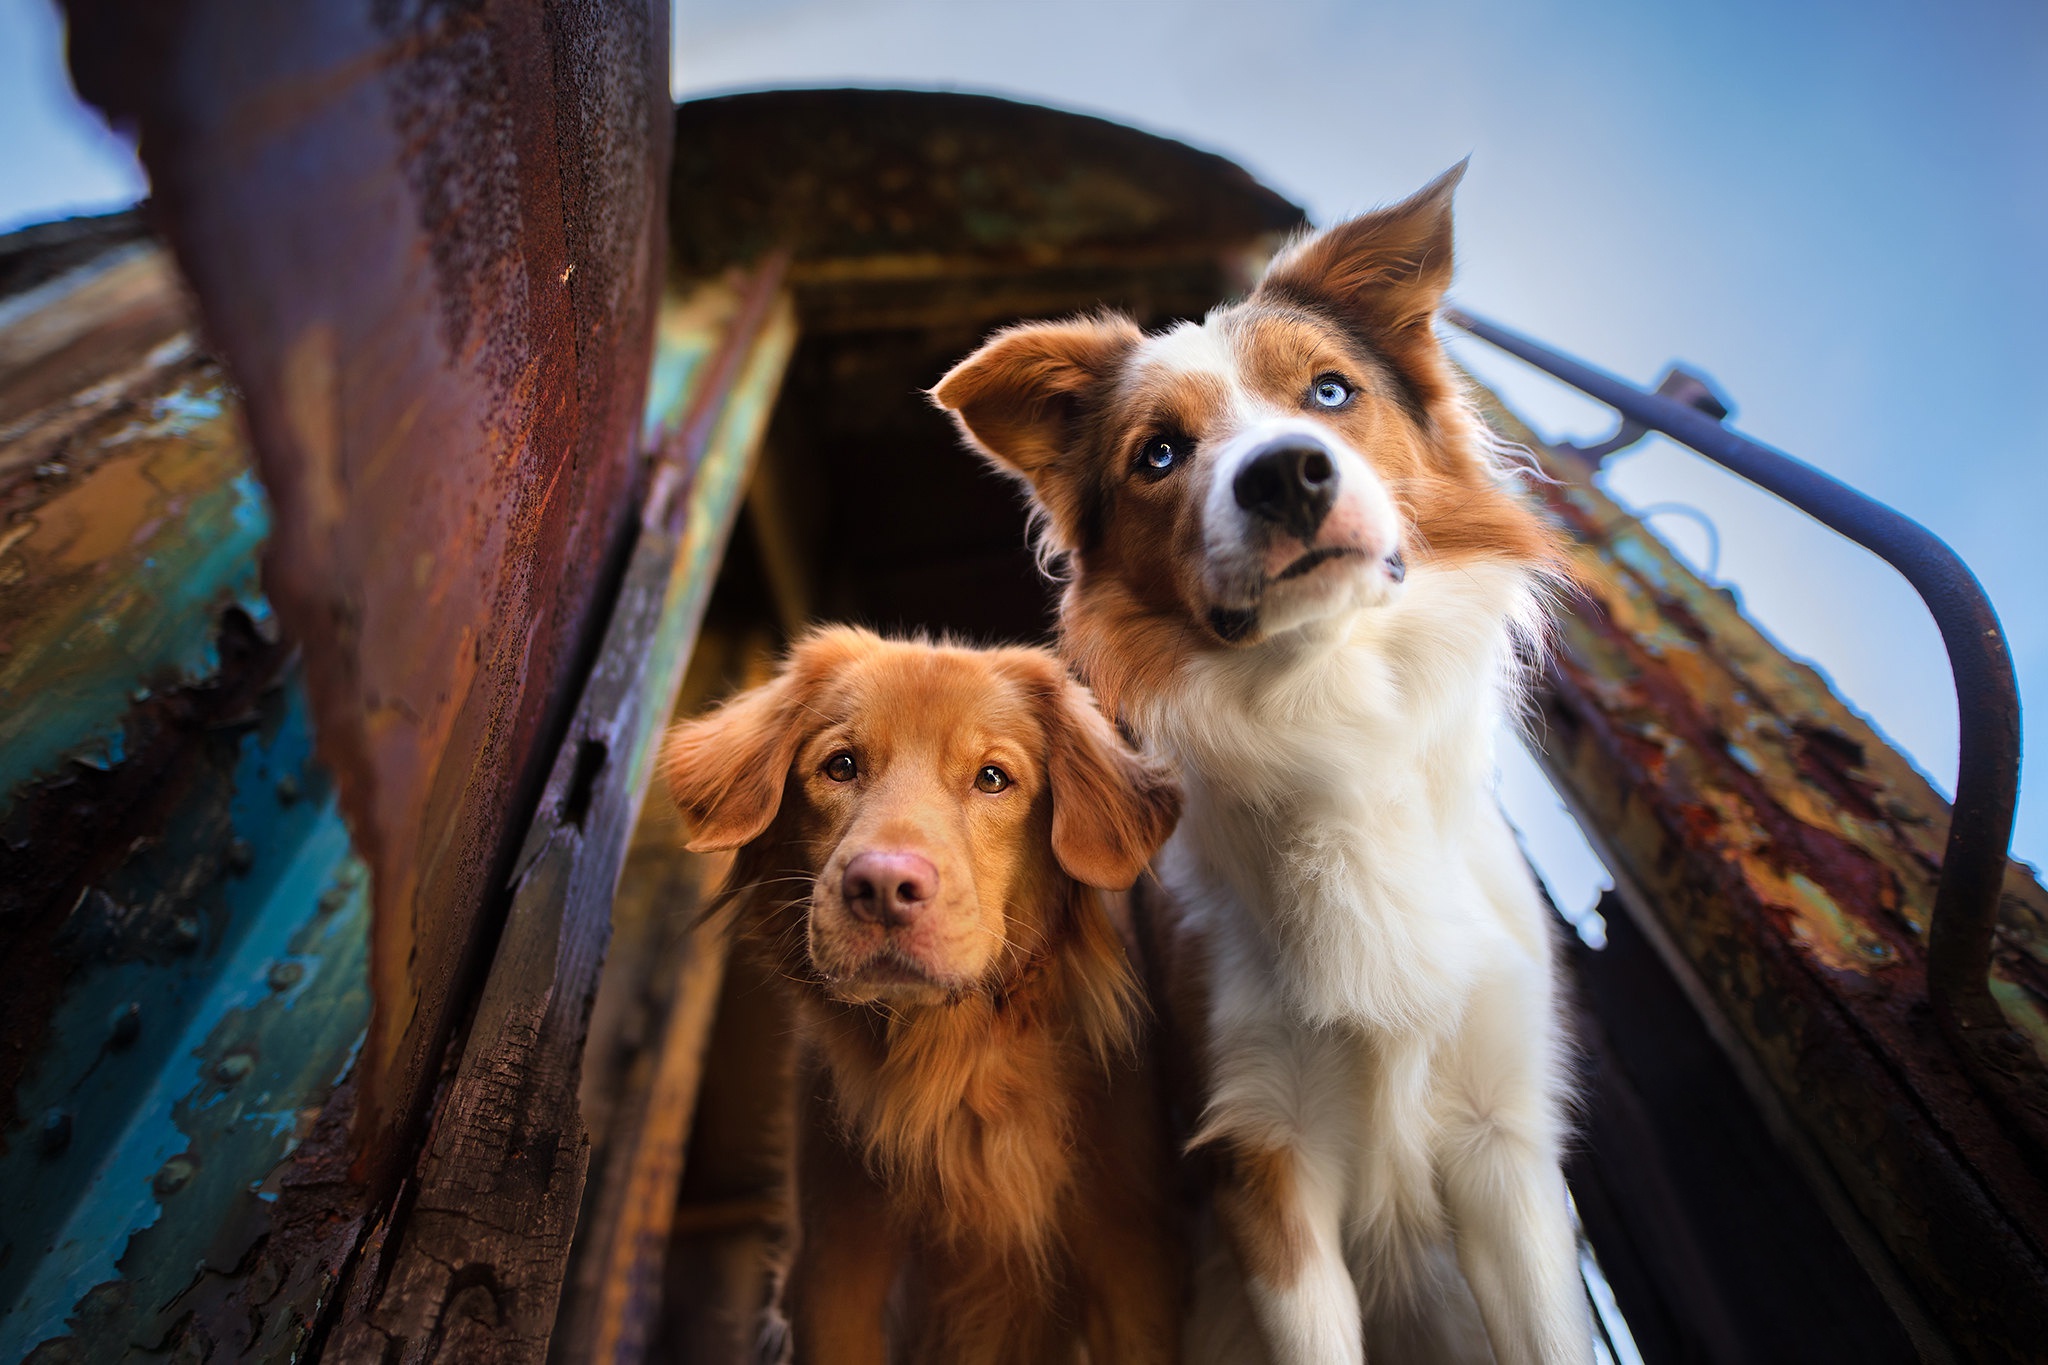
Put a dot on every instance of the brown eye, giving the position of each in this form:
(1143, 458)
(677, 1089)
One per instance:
(841, 767)
(991, 779)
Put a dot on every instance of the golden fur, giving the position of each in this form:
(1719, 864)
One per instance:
(981, 1144)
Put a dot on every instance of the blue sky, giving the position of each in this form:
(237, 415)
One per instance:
(1837, 210)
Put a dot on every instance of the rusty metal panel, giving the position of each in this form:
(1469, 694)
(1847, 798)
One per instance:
(428, 238)
(475, 1271)
(1786, 857)
(909, 209)
(183, 930)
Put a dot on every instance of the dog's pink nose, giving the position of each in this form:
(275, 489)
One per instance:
(889, 889)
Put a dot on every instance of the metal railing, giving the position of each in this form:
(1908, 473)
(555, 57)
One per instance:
(1686, 409)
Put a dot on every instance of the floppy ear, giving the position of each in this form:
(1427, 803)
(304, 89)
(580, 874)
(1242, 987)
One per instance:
(726, 768)
(1021, 398)
(1387, 269)
(1111, 808)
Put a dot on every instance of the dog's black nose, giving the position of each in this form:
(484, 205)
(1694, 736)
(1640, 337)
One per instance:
(1291, 482)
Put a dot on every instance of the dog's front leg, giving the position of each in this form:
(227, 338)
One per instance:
(1282, 1218)
(1505, 1194)
(848, 1253)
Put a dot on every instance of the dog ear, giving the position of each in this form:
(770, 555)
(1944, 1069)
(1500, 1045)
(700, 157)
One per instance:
(1387, 269)
(726, 768)
(1111, 807)
(1020, 400)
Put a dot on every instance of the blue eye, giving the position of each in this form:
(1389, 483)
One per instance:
(1331, 392)
(1162, 455)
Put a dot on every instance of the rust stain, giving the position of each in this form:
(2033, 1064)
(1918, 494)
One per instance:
(444, 413)
(1791, 855)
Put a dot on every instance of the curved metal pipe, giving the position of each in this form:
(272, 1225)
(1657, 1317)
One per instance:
(1987, 693)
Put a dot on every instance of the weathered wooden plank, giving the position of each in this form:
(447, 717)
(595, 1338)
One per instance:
(429, 239)
(1784, 856)
(623, 1242)
(475, 1271)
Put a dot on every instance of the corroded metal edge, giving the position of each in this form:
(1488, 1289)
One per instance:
(1788, 855)
(429, 241)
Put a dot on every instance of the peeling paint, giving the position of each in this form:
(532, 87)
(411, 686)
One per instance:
(1789, 855)
(211, 1099)
(117, 583)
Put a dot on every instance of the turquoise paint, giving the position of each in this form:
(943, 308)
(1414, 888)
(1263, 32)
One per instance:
(678, 355)
(204, 560)
(92, 1215)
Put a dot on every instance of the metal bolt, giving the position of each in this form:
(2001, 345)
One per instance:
(234, 1067)
(56, 1131)
(174, 1175)
(241, 855)
(126, 1025)
(285, 975)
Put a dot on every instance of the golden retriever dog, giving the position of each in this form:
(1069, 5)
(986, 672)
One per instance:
(1297, 568)
(929, 842)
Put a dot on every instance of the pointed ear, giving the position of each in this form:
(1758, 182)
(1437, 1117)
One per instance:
(1387, 269)
(1021, 399)
(726, 768)
(1111, 807)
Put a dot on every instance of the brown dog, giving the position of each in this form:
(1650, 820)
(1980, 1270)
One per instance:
(925, 834)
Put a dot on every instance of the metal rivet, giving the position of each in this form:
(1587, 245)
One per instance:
(331, 900)
(56, 1131)
(241, 855)
(126, 1025)
(234, 1067)
(349, 874)
(285, 975)
(287, 789)
(174, 1175)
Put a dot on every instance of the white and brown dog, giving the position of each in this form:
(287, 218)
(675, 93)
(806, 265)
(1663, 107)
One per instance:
(1297, 567)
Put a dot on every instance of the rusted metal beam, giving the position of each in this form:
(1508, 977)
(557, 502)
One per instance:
(429, 239)
(474, 1270)
(1974, 858)
(1785, 857)
(909, 210)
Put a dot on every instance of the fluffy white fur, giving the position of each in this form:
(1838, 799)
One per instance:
(1382, 1001)
(1386, 1079)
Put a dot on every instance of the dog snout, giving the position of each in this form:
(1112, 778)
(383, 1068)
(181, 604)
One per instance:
(889, 889)
(1290, 482)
